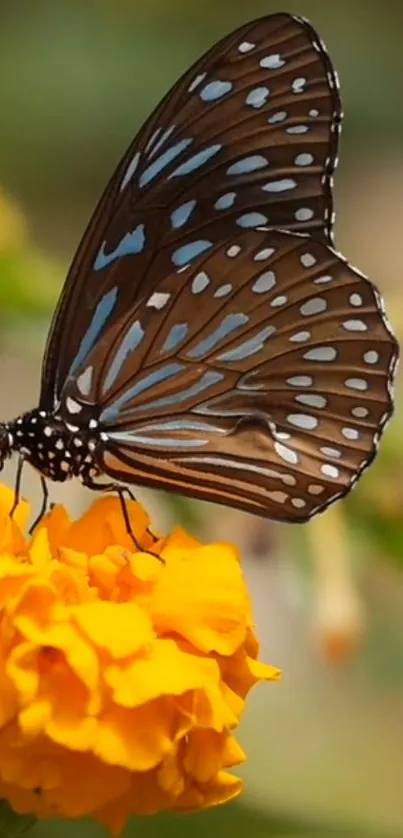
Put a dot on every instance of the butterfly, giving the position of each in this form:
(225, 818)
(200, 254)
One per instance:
(209, 339)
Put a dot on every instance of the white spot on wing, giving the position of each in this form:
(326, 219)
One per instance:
(314, 306)
(356, 383)
(233, 250)
(303, 421)
(263, 254)
(246, 46)
(158, 300)
(321, 353)
(272, 62)
(200, 282)
(84, 381)
(264, 283)
(371, 357)
(196, 81)
(286, 453)
(330, 471)
(300, 381)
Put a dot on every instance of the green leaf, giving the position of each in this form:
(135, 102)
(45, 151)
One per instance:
(12, 824)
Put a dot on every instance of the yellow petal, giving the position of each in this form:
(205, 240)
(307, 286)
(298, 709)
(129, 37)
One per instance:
(122, 678)
(137, 739)
(39, 551)
(223, 788)
(166, 670)
(103, 524)
(121, 629)
(56, 525)
(203, 756)
(207, 608)
(21, 512)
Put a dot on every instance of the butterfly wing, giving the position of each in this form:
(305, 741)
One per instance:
(248, 136)
(259, 377)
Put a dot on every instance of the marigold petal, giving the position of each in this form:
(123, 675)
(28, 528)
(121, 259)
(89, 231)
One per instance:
(222, 789)
(170, 776)
(232, 754)
(116, 667)
(208, 709)
(180, 540)
(204, 754)
(165, 671)
(21, 512)
(78, 654)
(263, 671)
(103, 524)
(39, 552)
(208, 608)
(137, 739)
(22, 670)
(241, 672)
(8, 695)
(121, 629)
(11, 538)
(13, 575)
(56, 524)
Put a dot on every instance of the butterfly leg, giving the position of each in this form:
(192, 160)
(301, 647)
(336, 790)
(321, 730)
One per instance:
(124, 490)
(121, 491)
(44, 507)
(17, 486)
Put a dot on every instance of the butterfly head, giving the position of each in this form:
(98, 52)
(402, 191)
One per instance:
(6, 444)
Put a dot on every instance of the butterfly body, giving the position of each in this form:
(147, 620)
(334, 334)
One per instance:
(55, 449)
(209, 339)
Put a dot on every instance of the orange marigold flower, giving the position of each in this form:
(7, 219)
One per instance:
(122, 677)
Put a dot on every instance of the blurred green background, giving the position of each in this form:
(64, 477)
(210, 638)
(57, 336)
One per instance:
(325, 746)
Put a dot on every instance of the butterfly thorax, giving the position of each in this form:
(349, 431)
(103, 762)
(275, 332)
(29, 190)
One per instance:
(57, 450)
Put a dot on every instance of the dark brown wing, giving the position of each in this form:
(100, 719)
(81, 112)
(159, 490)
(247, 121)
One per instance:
(258, 377)
(248, 136)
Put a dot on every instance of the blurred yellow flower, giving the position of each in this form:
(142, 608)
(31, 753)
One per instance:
(122, 677)
(13, 229)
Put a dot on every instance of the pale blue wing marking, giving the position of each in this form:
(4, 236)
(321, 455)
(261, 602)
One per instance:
(182, 425)
(196, 161)
(175, 337)
(163, 161)
(248, 164)
(162, 374)
(282, 185)
(258, 97)
(225, 201)
(229, 324)
(215, 90)
(187, 252)
(151, 148)
(101, 314)
(249, 347)
(155, 441)
(129, 343)
(207, 380)
(131, 243)
(251, 219)
(130, 170)
(181, 214)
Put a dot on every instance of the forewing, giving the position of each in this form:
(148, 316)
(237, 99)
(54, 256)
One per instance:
(259, 377)
(248, 136)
